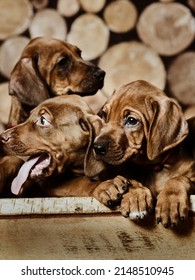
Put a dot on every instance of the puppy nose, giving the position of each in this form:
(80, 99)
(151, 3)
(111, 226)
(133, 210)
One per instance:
(5, 137)
(99, 74)
(100, 148)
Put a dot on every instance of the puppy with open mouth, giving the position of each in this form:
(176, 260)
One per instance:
(53, 139)
(55, 142)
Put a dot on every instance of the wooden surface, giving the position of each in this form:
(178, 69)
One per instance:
(183, 89)
(90, 34)
(129, 61)
(167, 28)
(11, 48)
(15, 17)
(85, 229)
(49, 23)
(58, 205)
(94, 237)
(98, 27)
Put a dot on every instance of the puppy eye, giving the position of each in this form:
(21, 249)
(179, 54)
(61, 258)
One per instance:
(131, 121)
(63, 61)
(103, 115)
(84, 125)
(43, 122)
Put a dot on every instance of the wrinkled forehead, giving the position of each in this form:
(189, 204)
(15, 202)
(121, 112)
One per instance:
(49, 45)
(133, 95)
(68, 102)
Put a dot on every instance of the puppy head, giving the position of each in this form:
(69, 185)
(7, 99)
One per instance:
(50, 67)
(139, 121)
(55, 138)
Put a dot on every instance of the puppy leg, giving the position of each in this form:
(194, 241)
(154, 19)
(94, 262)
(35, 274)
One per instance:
(110, 192)
(172, 202)
(137, 202)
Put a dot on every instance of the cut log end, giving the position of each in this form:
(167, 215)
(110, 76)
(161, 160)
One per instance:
(10, 52)
(90, 34)
(132, 61)
(48, 23)
(181, 78)
(68, 8)
(94, 6)
(15, 17)
(167, 27)
(120, 16)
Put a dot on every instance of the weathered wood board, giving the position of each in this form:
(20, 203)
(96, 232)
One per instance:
(58, 205)
(82, 228)
(94, 237)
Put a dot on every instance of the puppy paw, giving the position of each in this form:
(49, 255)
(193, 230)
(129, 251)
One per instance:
(110, 192)
(172, 206)
(137, 203)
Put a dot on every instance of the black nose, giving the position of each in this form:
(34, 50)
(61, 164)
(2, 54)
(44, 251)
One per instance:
(100, 148)
(99, 74)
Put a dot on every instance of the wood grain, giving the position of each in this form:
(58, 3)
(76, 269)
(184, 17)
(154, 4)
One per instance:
(56, 205)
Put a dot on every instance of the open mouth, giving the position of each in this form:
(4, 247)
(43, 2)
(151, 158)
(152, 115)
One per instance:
(32, 168)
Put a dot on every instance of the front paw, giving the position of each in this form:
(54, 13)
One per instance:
(110, 192)
(137, 203)
(172, 207)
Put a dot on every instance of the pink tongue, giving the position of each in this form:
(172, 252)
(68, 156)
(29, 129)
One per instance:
(22, 175)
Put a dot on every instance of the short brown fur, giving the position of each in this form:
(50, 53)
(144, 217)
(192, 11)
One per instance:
(49, 67)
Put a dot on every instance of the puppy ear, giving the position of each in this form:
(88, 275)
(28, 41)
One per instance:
(167, 126)
(26, 82)
(93, 167)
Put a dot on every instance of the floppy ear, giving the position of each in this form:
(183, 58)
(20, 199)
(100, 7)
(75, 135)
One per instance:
(92, 167)
(167, 126)
(26, 82)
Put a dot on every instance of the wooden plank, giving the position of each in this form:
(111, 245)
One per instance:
(51, 205)
(55, 205)
(94, 237)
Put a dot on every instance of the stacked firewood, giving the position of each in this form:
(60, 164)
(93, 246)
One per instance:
(129, 39)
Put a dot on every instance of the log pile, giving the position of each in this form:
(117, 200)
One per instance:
(129, 39)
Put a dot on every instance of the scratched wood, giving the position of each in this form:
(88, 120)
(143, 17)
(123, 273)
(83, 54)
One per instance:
(99, 234)
(62, 205)
(94, 237)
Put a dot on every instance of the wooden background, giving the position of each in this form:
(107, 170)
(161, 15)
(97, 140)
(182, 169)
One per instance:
(152, 40)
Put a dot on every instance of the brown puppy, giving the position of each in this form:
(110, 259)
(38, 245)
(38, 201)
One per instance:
(49, 67)
(9, 167)
(55, 139)
(142, 125)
